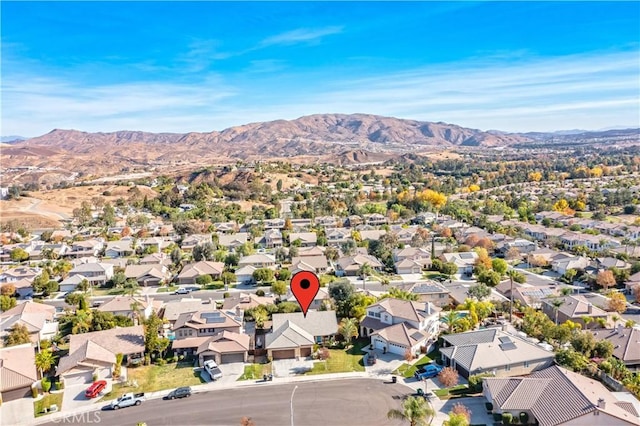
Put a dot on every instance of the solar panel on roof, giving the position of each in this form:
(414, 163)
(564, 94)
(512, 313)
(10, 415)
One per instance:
(212, 317)
(504, 339)
(416, 336)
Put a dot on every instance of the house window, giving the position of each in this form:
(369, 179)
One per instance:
(526, 364)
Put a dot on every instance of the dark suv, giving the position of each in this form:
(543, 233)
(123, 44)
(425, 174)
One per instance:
(183, 392)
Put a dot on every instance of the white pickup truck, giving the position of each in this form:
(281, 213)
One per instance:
(212, 368)
(127, 400)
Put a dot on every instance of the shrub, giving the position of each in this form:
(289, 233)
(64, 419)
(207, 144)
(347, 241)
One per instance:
(147, 359)
(448, 377)
(507, 418)
(461, 409)
(161, 361)
(408, 356)
(475, 382)
(524, 418)
(61, 384)
(260, 293)
(46, 384)
(94, 377)
(225, 295)
(323, 354)
(180, 357)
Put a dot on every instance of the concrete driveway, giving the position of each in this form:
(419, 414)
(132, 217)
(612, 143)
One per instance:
(474, 404)
(385, 363)
(74, 398)
(231, 372)
(291, 367)
(17, 413)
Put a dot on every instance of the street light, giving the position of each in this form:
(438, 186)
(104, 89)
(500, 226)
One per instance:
(293, 392)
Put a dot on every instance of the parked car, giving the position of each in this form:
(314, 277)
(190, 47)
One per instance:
(182, 290)
(211, 367)
(182, 392)
(430, 370)
(127, 400)
(95, 389)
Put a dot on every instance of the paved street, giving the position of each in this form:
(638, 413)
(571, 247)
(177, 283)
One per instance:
(353, 402)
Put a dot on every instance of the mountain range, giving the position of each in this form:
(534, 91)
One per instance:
(339, 138)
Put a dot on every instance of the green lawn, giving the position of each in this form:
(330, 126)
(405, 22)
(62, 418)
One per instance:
(407, 370)
(341, 361)
(255, 371)
(454, 391)
(431, 275)
(107, 291)
(46, 402)
(151, 378)
(168, 289)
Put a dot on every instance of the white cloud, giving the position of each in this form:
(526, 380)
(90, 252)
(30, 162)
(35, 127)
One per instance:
(300, 35)
(583, 91)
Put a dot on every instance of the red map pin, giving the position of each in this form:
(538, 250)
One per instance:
(305, 286)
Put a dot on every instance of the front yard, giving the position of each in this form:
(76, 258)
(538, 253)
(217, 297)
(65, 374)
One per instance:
(169, 289)
(151, 378)
(46, 402)
(407, 370)
(255, 371)
(341, 361)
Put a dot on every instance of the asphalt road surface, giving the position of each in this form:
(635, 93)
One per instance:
(325, 403)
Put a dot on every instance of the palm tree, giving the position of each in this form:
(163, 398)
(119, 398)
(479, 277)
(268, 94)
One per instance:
(136, 310)
(586, 320)
(602, 322)
(260, 316)
(556, 305)
(364, 271)
(348, 328)
(415, 410)
(513, 276)
(44, 361)
(451, 319)
(131, 287)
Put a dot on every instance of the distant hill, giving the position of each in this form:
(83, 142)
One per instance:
(11, 139)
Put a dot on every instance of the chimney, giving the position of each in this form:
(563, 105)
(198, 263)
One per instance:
(504, 327)
(427, 308)
(620, 328)
(589, 308)
(602, 404)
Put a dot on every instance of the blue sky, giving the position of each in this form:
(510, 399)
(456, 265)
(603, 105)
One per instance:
(203, 66)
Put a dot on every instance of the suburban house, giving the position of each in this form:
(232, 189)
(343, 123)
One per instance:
(71, 282)
(371, 234)
(148, 274)
(562, 265)
(337, 236)
(233, 241)
(465, 261)
(23, 287)
(492, 351)
(575, 308)
(245, 274)
(626, 344)
(95, 353)
(556, 396)
(350, 265)
(413, 253)
(409, 266)
(19, 273)
(156, 258)
(192, 271)
(17, 372)
(432, 292)
(172, 310)
(293, 335)
(244, 301)
(120, 248)
(321, 297)
(317, 264)
(306, 239)
(259, 260)
(398, 326)
(37, 317)
(632, 282)
(206, 322)
(189, 242)
(272, 238)
(44, 250)
(224, 347)
(96, 273)
(310, 251)
(131, 307)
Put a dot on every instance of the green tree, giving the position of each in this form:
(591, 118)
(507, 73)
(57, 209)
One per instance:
(73, 299)
(449, 269)
(456, 419)
(519, 278)
(6, 303)
(499, 265)
(452, 320)
(279, 288)
(153, 343)
(228, 277)
(260, 316)
(348, 328)
(18, 335)
(118, 279)
(584, 343)
(108, 215)
(102, 321)
(603, 349)
(398, 293)
(415, 410)
(131, 287)
(18, 255)
(204, 280)
(203, 252)
(364, 271)
(263, 275)
(44, 361)
(284, 274)
(556, 303)
(479, 291)
(489, 277)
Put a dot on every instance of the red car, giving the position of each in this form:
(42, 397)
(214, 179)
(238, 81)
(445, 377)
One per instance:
(95, 389)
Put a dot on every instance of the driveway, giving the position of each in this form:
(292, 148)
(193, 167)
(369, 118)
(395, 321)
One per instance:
(17, 413)
(74, 398)
(475, 404)
(231, 372)
(385, 363)
(291, 367)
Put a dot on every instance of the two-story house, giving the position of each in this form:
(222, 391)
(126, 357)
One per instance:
(96, 273)
(398, 326)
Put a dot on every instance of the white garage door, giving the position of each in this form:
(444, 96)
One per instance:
(379, 344)
(78, 378)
